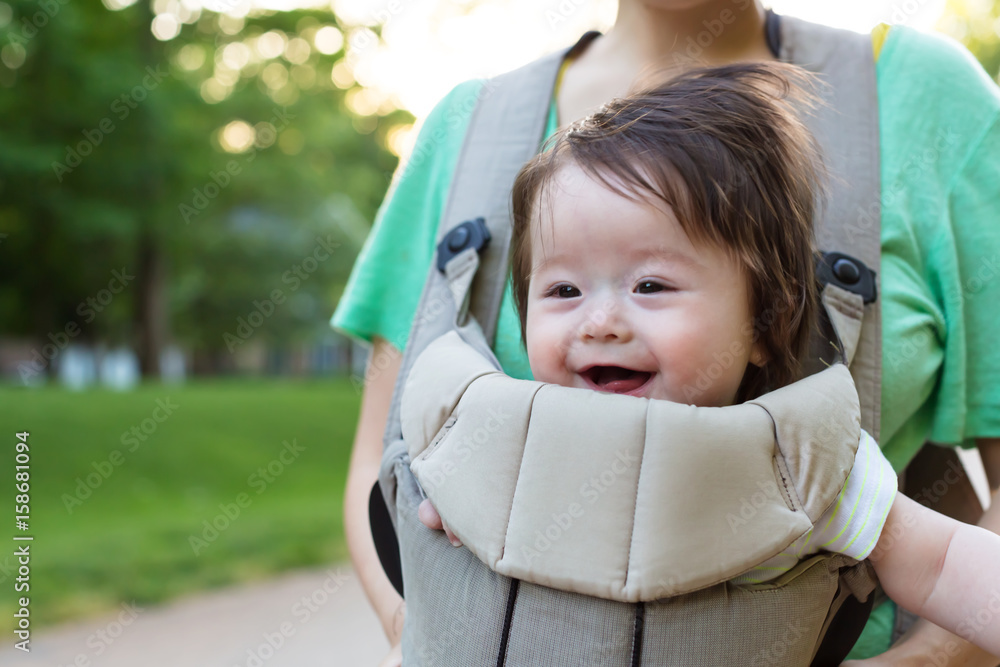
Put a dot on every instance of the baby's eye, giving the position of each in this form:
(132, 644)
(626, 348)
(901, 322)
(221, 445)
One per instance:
(649, 287)
(563, 292)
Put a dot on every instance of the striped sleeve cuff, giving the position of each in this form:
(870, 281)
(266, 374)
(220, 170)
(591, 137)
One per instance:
(853, 524)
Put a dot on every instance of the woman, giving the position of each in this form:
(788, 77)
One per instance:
(940, 151)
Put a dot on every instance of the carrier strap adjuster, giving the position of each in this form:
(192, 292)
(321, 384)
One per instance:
(469, 234)
(848, 273)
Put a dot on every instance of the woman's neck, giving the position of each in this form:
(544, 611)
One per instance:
(710, 32)
(648, 43)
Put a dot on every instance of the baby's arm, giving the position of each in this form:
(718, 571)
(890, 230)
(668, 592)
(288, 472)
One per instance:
(945, 571)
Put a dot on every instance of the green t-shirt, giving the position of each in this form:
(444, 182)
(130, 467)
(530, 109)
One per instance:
(939, 116)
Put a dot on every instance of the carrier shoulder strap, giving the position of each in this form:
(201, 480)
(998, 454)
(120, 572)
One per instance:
(505, 131)
(846, 128)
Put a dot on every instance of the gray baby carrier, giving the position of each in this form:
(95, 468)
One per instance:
(483, 605)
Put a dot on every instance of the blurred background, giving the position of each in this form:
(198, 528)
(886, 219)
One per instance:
(184, 186)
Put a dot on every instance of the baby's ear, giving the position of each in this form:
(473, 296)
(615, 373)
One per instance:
(758, 357)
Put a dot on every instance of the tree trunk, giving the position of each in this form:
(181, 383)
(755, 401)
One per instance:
(150, 317)
(150, 309)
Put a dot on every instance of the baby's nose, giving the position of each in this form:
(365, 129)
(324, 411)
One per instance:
(605, 322)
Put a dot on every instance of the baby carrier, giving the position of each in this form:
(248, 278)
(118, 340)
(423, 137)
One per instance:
(608, 583)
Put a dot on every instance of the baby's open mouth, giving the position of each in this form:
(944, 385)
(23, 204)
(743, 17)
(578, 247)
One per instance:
(616, 379)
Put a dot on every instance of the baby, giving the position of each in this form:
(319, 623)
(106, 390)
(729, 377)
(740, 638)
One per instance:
(663, 248)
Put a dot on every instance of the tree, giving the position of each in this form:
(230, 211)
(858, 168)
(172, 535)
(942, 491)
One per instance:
(200, 168)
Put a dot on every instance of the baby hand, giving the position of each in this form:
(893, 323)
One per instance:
(430, 518)
(394, 659)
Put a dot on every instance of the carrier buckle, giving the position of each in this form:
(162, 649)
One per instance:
(848, 273)
(469, 234)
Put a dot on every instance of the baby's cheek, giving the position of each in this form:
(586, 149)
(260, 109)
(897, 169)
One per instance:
(687, 358)
(541, 362)
(546, 355)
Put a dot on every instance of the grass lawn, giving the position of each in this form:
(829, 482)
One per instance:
(112, 527)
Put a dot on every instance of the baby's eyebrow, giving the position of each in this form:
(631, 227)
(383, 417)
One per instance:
(639, 257)
(543, 259)
(670, 255)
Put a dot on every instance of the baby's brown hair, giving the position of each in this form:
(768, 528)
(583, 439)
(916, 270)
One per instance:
(725, 149)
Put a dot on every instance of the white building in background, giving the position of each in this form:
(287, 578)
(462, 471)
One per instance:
(118, 369)
(79, 367)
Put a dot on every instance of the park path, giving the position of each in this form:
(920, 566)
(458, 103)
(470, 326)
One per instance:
(316, 618)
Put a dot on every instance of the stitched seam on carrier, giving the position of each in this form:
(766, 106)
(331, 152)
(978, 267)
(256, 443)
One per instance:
(517, 484)
(792, 495)
(635, 499)
(782, 468)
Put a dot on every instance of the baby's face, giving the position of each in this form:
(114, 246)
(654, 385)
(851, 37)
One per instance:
(621, 300)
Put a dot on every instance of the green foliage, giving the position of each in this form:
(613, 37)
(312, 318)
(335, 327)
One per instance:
(112, 155)
(976, 23)
(129, 536)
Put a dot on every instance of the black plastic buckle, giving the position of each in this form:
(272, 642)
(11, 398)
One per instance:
(848, 273)
(469, 234)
